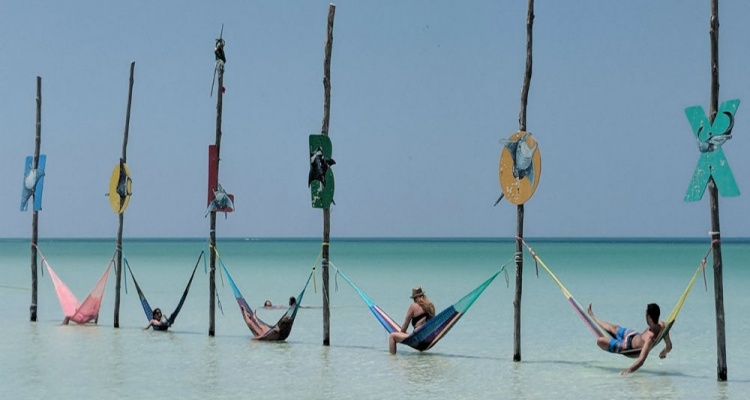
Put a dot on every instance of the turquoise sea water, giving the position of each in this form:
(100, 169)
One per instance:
(559, 356)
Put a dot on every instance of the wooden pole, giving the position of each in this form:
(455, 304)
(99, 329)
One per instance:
(519, 223)
(35, 217)
(212, 271)
(327, 211)
(121, 216)
(721, 368)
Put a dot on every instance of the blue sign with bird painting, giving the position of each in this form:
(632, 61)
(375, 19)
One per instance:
(320, 179)
(712, 162)
(33, 182)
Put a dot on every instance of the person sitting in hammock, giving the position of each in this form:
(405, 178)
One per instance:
(158, 321)
(627, 339)
(67, 319)
(261, 330)
(419, 312)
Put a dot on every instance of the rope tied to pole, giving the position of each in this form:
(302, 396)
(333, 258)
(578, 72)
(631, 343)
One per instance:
(704, 261)
(532, 252)
(40, 253)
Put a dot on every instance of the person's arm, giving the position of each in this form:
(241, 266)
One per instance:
(150, 324)
(667, 346)
(409, 315)
(641, 357)
(247, 316)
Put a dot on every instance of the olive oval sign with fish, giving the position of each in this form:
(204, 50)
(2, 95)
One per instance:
(520, 167)
(120, 187)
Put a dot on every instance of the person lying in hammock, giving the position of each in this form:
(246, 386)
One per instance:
(628, 339)
(67, 319)
(419, 312)
(260, 330)
(158, 321)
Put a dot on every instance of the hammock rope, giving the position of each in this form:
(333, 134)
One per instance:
(597, 329)
(427, 335)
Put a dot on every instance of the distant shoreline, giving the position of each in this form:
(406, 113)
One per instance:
(405, 239)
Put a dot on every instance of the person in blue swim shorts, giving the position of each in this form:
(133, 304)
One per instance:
(633, 343)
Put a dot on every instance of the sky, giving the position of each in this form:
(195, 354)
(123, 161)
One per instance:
(422, 94)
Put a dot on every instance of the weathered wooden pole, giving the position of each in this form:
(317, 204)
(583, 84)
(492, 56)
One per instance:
(121, 215)
(327, 211)
(721, 367)
(220, 60)
(520, 210)
(35, 217)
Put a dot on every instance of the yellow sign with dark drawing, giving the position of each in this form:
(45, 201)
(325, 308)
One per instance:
(520, 167)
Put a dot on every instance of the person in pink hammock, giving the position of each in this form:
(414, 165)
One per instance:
(80, 319)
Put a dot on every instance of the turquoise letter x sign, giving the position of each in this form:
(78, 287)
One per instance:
(712, 162)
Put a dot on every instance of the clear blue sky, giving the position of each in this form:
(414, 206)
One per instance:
(423, 91)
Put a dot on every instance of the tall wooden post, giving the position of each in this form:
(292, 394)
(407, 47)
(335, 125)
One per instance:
(721, 368)
(520, 211)
(121, 215)
(219, 103)
(327, 211)
(35, 217)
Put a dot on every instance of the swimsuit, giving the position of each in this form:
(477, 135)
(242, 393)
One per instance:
(161, 326)
(415, 319)
(622, 341)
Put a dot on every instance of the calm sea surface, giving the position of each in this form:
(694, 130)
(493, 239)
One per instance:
(46, 360)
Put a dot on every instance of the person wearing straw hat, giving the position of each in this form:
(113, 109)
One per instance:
(419, 312)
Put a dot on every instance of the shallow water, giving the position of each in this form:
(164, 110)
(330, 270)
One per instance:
(559, 358)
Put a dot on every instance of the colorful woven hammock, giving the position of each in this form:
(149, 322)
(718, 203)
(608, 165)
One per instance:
(281, 330)
(74, 310)
(147, 308)
(436, 327)
(597, 329)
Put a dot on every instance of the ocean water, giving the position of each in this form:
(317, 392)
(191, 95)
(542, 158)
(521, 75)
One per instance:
(47, 360)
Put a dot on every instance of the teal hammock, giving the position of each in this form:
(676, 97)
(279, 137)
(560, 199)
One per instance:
(147, 308)
(427, 335)
(262, 330)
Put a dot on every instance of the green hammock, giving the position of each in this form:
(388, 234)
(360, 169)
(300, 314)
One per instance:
(147, 308)
(597, 329)
(427, 335)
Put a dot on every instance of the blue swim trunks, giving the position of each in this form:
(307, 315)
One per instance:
(622, 341)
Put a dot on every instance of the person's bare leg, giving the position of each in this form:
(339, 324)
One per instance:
(611, 328)
(391, 344)
(603, 342)
(393, 338)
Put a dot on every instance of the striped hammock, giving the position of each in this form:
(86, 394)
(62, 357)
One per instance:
(74, 310)
(264, 331)
(147, 308)
(597, 329)
(427, 335)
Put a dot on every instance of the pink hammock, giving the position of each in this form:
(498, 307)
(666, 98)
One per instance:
(74, 310)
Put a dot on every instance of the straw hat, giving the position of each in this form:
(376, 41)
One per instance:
(416, 292)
